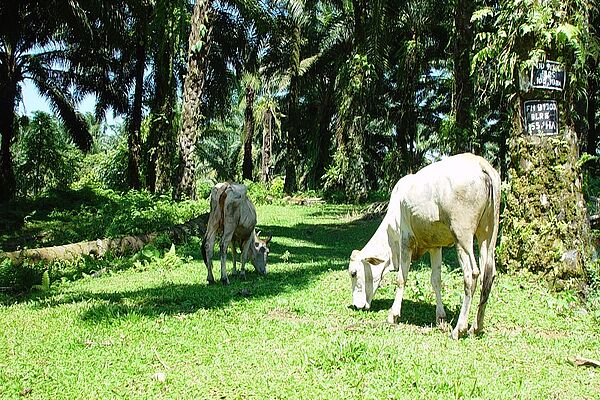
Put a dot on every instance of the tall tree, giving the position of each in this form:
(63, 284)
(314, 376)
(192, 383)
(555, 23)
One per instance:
(250, 84)
(462, 96)
(198, 50)
(141, 10)
(29, 31)
(545, 226)
(169, 28)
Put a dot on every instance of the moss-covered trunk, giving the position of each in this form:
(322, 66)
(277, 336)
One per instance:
(545, 227)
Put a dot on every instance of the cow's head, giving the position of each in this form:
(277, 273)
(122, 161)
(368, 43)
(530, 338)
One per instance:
(366, 274)
(260, 250)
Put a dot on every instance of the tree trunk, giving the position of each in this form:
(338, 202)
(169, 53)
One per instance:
(267, 146)
(463, 85)
(322, 142)
(247, 165)
(293, 126)
(545, 226)
(8, 94)
(592, 109)
(406, 129)
(161, 137)
(99, 247)
(199, 46)
(135, 123)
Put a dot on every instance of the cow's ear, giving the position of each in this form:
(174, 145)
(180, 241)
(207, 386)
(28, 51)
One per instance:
(354, 255)
(374, 260)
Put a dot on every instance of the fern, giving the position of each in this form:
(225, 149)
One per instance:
(45, 286)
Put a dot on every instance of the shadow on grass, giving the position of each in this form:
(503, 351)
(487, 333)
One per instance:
(177, 299)
(418, 313)
(328, 247)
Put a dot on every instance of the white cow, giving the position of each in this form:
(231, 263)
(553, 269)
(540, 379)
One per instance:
(233, 217)
(448, 202)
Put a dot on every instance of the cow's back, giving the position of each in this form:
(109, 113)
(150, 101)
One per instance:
(239, 211)
(443, 200)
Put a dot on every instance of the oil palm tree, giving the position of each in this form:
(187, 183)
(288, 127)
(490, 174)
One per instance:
(34, 46)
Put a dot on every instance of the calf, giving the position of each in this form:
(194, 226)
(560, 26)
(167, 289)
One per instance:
(233, 217)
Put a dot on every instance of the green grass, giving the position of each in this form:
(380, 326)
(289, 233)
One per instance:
(289, 334)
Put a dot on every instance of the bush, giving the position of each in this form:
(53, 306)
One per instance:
(203, 188)
(45, 158)
(20, 278)
(106, 170)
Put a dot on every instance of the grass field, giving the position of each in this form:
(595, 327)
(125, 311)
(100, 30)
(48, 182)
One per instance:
(158, 331)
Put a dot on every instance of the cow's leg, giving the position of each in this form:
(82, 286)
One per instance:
(208, 245)
(245, 255)
(464, 249)
(225, 241)
(234, 256)
(405, 257)
(487, 263)
(436, 282)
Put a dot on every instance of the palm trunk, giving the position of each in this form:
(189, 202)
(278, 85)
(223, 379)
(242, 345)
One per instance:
(134, 139)
(199, 46)
(8, 95)
(407, 124)
(267, 147)
(592, 107)
(545, 226)
(322, 142)
(162, 135)
(293, 128)
(463, 86)
(247, 165)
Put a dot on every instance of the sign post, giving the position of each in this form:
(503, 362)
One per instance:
(549, 75)
(541, 117)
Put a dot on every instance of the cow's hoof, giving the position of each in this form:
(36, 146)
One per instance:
(456, 334)
(473, 331)
(243, 276)
(225, 281)
(393, 319)
(210, 281)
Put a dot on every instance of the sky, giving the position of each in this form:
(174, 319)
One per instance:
(32, 101)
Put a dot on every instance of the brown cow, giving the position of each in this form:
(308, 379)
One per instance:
(233, 217)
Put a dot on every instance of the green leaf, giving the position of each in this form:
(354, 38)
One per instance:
(567, 33)
(482, 13)
(45, 286)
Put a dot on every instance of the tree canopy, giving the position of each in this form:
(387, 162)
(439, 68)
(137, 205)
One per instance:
(342, 96)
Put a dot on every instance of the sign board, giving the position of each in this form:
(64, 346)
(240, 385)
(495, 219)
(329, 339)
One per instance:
(548, 75)
(541, 117)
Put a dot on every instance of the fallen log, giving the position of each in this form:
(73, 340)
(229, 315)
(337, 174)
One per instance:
(73, 251)
(304, 201)
(99, 247)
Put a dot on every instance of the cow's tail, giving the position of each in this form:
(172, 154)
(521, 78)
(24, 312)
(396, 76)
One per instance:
(492, 212)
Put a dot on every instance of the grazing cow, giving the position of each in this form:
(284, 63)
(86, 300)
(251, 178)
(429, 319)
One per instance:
(233, 217)
(448, 202)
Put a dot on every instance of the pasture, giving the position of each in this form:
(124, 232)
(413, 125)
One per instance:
(159, 331)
